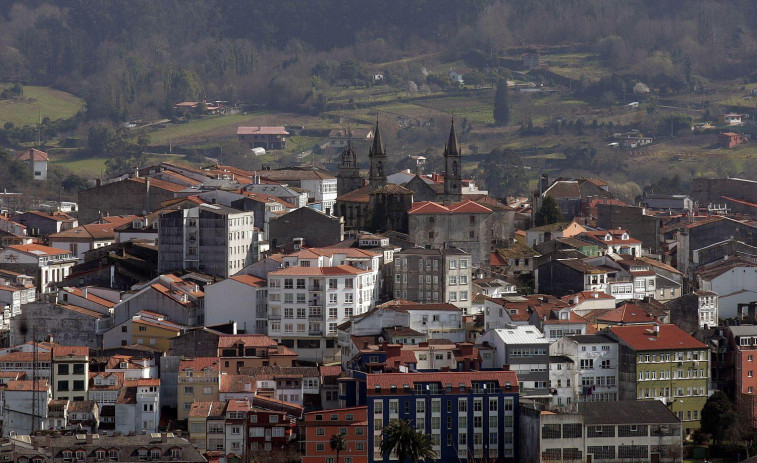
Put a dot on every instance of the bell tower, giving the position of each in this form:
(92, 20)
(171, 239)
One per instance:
(348, 178)
(453, 168)
(377, 157)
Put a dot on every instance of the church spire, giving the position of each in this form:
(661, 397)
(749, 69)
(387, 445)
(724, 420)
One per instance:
(377, 157)
(453, 160)
(452, 148)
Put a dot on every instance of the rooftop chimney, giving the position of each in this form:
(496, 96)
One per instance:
(84, 292)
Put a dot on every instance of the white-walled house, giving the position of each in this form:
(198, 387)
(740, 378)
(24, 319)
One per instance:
(734, 281)
(138, 408)
(241, 298)
(37, 161)
(52, 265)
(595, 367)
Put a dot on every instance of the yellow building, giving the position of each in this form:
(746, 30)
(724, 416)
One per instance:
(144, 328)
(198, 381)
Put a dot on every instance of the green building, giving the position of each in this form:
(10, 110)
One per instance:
(663, 362)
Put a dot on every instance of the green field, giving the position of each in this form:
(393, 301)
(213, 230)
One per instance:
(95, 167)
(39, 102)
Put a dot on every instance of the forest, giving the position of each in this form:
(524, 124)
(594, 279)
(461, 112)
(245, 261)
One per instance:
(134, 60)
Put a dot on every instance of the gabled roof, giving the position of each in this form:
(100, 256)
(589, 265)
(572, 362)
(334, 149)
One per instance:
(199, 363)
(564, 189)
(32, 154)
(250, 280)
(361, 195)
(261, 130)
(37, 250)
(248, 340)
(633, 412)
(462, 207)
(627, 314)
(339, 270)
(384, 381)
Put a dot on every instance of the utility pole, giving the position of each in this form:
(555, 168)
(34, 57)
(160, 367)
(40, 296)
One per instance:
(35, 377)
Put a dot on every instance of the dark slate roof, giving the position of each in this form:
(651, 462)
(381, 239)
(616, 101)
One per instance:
(627, 412)
(591, 338)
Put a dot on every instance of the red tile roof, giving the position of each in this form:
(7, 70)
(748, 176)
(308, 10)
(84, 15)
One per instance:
(496, 260)
(70, 351)
(27, 385)
(462, 207)
(314, 271)
(199, 363)
(38, 250)
(641, 337)
(90, 297)
(361, 195)
(32, 154)
(262, 131)
(249, 340)
(332, 370)
(160, 184)
(250, 280)
(455, 378)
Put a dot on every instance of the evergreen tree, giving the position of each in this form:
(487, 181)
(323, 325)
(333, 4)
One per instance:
(718, 415)
(548, 213)
(410, 445)
(501, 104)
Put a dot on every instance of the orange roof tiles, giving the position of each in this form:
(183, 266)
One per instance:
(70, 351)
(27, 385)
(160, 184)
(642, 337)
(32, 154)
(90, 297)
(199, 363)
(38, 250)
(455, 378)
(250, 280)
(314, 271)
(361, 195)
(249, 340)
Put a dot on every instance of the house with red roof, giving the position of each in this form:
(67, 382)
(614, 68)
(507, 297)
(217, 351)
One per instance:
(466, 225)
(270, 138)
(663, 362)
(37, 161)
(86, 237)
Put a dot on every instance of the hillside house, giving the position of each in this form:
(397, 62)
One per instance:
(270, 138)
(37, 161)
(730, 139)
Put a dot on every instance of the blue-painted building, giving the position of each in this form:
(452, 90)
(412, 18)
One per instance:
(469, 415)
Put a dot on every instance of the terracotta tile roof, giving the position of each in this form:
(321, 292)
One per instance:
(81, 310)
(585, 296)
(24, 357)
(237, 384)
(27, 385)
(642, 337)
(58, 216)
(38, 250)
(314, 271)
(199, 363)
(160, 184)
(627, 314)
(70, 351)
(496, 260)
(90, 297)
(32, 154)
(120, 378)
(262, 130)
(385, 380)
(361, 195)
(203, 409)
(249, 340)
(250, 280)
(462, 207)
(658, 264)
(331, 370)
(567, 189)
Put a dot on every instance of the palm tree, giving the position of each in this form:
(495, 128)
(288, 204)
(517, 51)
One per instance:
(409, 444)
(338, 443)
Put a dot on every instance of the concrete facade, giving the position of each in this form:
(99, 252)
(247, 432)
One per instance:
(316, 228)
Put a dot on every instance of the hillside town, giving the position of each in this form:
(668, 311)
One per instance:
(179, 313)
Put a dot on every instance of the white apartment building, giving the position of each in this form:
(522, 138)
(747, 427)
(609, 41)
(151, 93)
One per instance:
(307, 303)
(138, 409)
(241, 298)
(53, 264)
(707, 309)
(214, 239)
(595, 367)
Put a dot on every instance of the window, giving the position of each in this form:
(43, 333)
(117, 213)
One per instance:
(452, 264)
(63, 369)
(320, 446)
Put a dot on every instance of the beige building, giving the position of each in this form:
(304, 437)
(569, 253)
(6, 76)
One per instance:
(198, 382)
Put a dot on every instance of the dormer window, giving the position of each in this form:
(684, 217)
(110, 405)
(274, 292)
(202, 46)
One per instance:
(625, 236)
(123, 365)
(608, 237)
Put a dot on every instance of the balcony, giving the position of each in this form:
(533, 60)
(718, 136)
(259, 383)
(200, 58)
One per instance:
(276, 316)
(316, 288)
(315, 332)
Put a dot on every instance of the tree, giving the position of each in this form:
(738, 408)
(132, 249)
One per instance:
(338, 443)
(503, 173)
(548, 213)
(408, 443)
(717, 416)
(501, 104)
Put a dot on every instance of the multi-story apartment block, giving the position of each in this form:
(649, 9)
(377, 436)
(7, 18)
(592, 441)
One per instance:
(321, 425)
(146, 329)
(138, 406)
(237, 351)
(294, 385)
(104, 389)
(51, 265)
(25, 406)
(306, 304)
(526, 351)
(433, 275)
(602, 431)
(241, 298)
(594, 376)
(239, 428)
(743, 347)
(707, 309)
(70, 374)
(320, 184)
(662, 362)
(469, 415)
(212, 238)
(198, 381)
